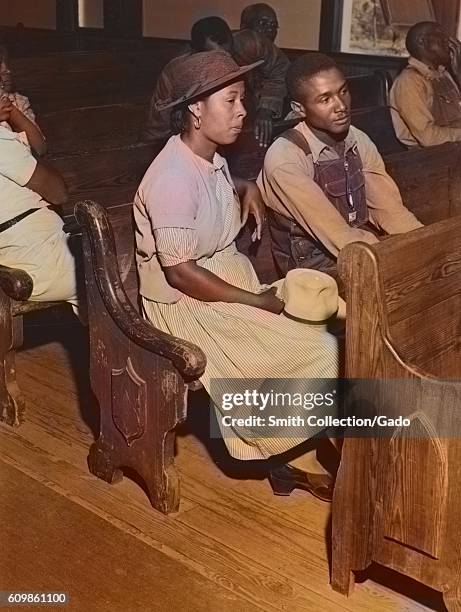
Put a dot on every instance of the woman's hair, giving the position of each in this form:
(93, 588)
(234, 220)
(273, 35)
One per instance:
(179, 119)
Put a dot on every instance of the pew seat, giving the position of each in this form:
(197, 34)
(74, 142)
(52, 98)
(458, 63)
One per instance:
(397, 497)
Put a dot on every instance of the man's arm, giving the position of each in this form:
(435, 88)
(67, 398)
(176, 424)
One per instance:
(299, 196)
(383, 196)
(411, 99)
(48, 183)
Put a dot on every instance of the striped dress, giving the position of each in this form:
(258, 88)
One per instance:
(240, 341)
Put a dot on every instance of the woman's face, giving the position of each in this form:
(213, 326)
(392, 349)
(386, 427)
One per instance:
(222, 114)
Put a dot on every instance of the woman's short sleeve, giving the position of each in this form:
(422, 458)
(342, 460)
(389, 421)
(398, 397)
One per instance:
(175, 245)
(169, 199)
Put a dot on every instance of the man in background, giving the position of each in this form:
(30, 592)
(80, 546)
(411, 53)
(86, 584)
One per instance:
(266, 88)
(425, 98)
(261, 18)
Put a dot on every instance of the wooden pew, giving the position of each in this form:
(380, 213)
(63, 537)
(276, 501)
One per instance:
(403, 342)
(139, 374)
(111, 175)
(93, 128)
(80, 79)
(369, 90)
(72, 80)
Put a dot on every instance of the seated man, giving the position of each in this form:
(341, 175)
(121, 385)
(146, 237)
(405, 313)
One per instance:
(324, 180)
(267, 85)
(31, 236)
(261, 18)
(425, 99)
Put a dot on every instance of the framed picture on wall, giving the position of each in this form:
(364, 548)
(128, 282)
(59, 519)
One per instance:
(404, 14)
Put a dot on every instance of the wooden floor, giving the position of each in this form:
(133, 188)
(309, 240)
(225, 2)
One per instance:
(233, 545)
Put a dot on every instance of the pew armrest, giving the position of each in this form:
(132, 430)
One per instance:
(101, 258)
(16, 283)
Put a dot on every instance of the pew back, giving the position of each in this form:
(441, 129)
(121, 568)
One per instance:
(72, 80)
(369, 90)
(420, 275)
(402, 352)
(112, 175)
(93, 128)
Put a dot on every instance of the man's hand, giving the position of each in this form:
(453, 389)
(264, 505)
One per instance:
(252, 203)
(263, 127)
(455, 56)
(6, 107)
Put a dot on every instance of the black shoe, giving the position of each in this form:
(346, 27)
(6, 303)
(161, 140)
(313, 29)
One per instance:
(285, 478)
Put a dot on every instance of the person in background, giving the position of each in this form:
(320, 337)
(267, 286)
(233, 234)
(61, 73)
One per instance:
(266, 86)
(31, 235)
(425, 98)
(196, 285)
(261, 18)
(324, 181)
(23, 115)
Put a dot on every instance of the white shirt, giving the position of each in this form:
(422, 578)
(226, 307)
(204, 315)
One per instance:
(17, 164)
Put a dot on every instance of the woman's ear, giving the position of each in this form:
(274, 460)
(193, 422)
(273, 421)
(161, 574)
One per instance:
(298, 108)
(195, 109)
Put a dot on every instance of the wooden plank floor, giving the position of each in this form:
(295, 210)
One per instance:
(233, 544)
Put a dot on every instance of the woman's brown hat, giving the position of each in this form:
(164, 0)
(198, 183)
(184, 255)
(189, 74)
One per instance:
(201, 73)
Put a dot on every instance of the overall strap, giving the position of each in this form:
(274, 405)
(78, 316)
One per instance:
(296, 138)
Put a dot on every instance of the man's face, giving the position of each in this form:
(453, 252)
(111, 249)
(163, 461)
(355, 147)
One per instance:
(266, 23)
(436, 47)
(326, 102)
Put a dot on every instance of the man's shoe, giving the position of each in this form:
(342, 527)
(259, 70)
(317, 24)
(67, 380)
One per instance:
(285, 478)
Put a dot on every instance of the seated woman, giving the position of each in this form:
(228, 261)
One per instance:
(22, 117)
(195, 284)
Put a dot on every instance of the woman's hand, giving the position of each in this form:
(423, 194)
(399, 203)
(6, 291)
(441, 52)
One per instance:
(270, 302)
(252, 203)
(202, 284)
(6, 107)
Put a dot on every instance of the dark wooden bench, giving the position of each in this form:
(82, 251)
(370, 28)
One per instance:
(139, 374)
(403, 342)
(369, 90)
(112, 176)
(73, 80)
(92, 128)
(80, 79)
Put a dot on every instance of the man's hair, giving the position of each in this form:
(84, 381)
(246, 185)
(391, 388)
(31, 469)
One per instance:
(252, 12)
(209, 28)
(414, 34)
(304, 68)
